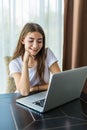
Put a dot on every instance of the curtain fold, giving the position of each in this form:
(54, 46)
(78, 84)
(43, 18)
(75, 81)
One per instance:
(75, 34)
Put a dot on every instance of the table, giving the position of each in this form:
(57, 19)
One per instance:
(13, 116)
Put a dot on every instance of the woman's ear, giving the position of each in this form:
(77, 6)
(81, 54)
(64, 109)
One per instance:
(22, 42)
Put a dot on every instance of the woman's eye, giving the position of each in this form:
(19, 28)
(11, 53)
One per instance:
(30, 41)
(39, 41)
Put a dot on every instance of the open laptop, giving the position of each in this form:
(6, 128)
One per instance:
(63, 87)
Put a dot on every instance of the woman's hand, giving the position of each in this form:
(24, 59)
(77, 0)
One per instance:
(39, 88)
(26, 56)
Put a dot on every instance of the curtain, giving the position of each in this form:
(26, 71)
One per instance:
(14, 14)
(75, 34)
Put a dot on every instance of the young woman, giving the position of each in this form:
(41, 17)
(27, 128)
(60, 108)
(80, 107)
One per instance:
(32, 62)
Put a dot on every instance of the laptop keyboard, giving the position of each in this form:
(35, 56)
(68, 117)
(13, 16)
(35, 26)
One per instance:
(39, 102)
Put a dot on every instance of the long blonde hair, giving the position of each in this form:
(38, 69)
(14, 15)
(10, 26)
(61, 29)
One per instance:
(40, 57)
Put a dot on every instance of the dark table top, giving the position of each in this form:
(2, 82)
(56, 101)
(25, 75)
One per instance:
(70, 116)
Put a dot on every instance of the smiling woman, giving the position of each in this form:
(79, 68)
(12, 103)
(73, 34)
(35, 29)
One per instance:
(14, 14)
(32, 63)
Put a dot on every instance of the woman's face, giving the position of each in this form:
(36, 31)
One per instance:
(33, 42)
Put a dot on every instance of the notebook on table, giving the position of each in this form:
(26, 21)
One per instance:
(64, 87)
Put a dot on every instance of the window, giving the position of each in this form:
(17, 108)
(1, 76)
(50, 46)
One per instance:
(15, 13)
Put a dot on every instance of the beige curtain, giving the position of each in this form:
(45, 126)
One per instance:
(75, 34)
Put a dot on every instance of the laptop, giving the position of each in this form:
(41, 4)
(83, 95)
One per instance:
(64, 87)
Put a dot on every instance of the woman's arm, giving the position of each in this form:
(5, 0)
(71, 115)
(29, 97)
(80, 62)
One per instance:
(38, 88)
(22, 80)
(54, 68)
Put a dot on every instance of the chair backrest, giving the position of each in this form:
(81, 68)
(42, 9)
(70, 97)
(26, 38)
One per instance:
(10, 84)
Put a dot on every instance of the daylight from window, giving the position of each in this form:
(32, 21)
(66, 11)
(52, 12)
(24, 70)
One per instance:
(15, 13)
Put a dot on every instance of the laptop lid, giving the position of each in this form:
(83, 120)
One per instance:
(63, 87)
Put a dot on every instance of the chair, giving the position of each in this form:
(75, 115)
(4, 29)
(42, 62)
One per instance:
(11, 87)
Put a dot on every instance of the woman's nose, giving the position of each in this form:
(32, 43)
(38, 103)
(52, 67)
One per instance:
(35, 44)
